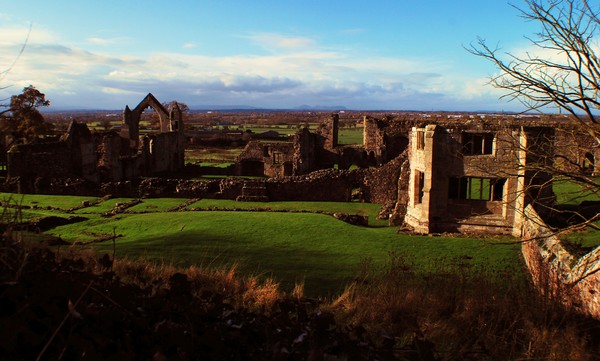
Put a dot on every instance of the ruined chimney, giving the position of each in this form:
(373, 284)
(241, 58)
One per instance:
(335, 119)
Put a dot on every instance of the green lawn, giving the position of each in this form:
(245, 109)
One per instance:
(103, 207)
(324, 252)
(368, 209)
(570, 193)
(156, 205)
(350, 136)
(39, 200)
(319, 249)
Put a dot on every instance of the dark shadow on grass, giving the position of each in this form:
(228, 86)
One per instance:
(321, 271)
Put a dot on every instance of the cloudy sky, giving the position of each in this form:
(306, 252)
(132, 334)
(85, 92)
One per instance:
(386, 54)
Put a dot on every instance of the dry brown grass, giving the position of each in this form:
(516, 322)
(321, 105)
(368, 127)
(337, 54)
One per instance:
(463, 317)
(448, 314)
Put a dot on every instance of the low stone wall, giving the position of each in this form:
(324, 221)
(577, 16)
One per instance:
(576, 281)
(327, 185)
(324, 185)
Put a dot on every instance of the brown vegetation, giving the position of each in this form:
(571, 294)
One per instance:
(72, 305)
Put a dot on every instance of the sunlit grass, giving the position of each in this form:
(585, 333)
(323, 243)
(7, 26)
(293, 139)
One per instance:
(319, 249)
(323, 252)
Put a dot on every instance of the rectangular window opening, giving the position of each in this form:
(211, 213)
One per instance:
(419, 184)
(476, 188)
(420, 139)
(477, 143)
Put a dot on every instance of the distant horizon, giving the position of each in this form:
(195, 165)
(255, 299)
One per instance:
(243, 108)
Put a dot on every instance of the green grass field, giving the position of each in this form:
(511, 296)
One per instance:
(571, 194)
(349, 136)
(283, 240)
(324, 252)
(40, 200)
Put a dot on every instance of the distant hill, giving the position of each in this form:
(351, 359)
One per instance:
(320, 107)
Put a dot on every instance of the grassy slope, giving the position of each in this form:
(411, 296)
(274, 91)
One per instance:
(291, 247)
(369, 209)
(568, 192)
(325, 252)
(39, 200)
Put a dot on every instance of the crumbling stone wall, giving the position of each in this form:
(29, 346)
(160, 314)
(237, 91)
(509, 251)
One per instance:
(380, 185)
(328, 131)
(271, 159)
(575, 281)
(48, 159)
(384, 139)
(577, 150)
(304, 159)
(72, 156)
(325, 185)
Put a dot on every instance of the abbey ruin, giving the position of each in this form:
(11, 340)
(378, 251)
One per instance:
(431, 175)
(104, 157)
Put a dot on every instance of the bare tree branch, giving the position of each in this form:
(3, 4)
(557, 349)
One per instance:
(567, 72)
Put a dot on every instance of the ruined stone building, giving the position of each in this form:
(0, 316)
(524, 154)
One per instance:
(310, 151)
(449, 176)
(579, 151)
(266, 158)
(305, 152)
(107, 156)
(476, 179)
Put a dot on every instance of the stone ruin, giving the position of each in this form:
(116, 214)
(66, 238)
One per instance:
(103, 157)
(437, 176)
(431, 175)
(310, 151)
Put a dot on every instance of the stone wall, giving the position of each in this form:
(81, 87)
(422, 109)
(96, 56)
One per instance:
(328, 130)
(575, 281)
(325, 185)
(380, 185)
(47, 159)
(578, 150)
(263, 158)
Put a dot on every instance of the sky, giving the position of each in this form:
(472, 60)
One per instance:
(281, 54)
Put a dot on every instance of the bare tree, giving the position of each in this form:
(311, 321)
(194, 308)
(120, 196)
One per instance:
(563, 69)
(5, 72)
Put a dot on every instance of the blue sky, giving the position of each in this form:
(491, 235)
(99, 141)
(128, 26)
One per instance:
(395, 54)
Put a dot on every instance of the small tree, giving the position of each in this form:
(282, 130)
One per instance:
(171, 105)
(23, 120)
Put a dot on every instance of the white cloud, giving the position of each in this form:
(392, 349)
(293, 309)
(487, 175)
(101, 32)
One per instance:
(302, 74)
(19, 35)
(100, 41)
(272, 41)
(190, 45)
